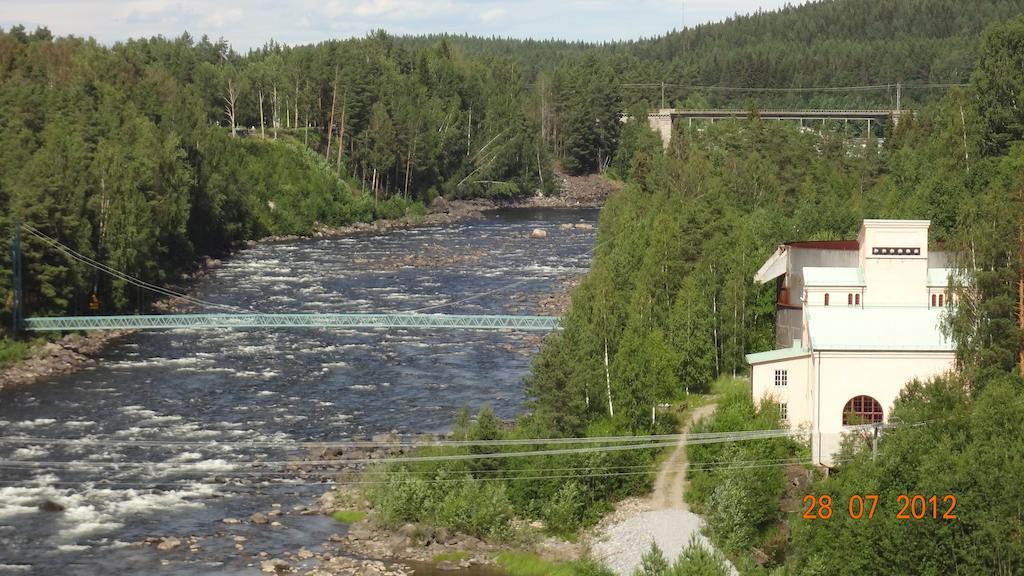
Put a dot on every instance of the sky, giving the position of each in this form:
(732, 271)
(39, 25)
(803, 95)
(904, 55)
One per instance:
(250, 23)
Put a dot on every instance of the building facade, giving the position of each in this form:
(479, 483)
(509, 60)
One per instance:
(856, 321)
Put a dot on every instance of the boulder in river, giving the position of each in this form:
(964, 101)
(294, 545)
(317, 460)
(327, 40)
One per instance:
(258, 518)
(440, 206)
(50, 506)
(275, 566)
(538, 233)
(169, 543)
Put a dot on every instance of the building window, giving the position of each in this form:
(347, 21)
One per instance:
(934, 300)
(849, 299)
(862, 410)
(781, 377)
(826, 298)
(856, 299)
(784, 411)
(941, 298)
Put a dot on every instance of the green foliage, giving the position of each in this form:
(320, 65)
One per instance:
(348, 516)
(454, 557)
(741, 501)
(480, 496)
(13, 351)
(141, 170)
(452, 500)
(972, 448)
(564, 512)
(694, 560)
(653, 563)
(697, 560)
(999, 82)
(524, 564)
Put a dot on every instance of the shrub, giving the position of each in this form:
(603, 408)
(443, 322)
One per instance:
(12, 351)
(563, 512)
(476, 507)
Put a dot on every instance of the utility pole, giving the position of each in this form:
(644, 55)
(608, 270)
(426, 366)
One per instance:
(662, 94)
(16, 312)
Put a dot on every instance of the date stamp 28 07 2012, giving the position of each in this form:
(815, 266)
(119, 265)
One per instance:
(864, 507)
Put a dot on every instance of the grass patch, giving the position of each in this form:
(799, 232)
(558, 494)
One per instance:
(348, 516)
(13, 351)
(727, 385)
(457, 556)
(526, 564)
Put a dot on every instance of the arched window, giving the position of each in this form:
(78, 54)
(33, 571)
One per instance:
(826, 298)
(856, 299)
(941, 298)
(862, 410)
(849, 299)
(934, 300)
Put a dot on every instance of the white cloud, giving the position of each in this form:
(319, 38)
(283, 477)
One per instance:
(222, 17)
(493, 14)
(250, 23)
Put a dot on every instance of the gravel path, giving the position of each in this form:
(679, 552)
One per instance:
(623, 537)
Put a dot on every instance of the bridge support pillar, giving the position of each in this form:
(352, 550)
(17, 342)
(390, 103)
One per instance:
(662, 124)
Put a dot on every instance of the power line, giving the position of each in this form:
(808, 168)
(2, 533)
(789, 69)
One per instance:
(399, 459)
(397, 443)
(71, 253)
(861, 88)
(599, 473)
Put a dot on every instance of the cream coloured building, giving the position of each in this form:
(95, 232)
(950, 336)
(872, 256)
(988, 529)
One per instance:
(856, 321)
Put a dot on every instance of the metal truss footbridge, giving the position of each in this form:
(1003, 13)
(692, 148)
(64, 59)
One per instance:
(328, 321)
(236, 318)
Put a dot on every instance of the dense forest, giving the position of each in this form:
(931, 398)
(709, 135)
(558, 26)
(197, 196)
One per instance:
(150, 153)
(669, 300)
(669, 307)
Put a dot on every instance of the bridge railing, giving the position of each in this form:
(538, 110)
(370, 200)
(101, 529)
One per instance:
(212, 321)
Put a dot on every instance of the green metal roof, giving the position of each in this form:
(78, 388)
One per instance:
(796, 351)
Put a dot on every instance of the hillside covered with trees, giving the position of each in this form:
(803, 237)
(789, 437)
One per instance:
(152, 152)
(670, 299)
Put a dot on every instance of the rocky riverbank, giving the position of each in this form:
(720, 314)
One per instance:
(578, 192)
(68, 354)
(412, 547)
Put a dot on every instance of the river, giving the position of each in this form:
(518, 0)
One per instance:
(230, 387)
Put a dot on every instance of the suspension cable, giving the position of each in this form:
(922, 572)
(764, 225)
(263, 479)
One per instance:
(71, 253)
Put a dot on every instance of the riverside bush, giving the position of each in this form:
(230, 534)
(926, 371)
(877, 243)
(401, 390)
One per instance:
(563, 513)
(694, 560)
(740, 498)
(451, 500)
(477, 507)
(480, 496)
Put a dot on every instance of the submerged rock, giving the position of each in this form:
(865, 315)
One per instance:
(50, 506)
(275, 566)
(169, 543)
